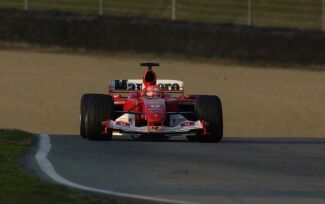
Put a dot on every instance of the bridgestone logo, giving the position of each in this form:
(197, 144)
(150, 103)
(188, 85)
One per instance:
(137, 86)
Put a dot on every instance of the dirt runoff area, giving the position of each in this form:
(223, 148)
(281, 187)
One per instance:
(40, 92)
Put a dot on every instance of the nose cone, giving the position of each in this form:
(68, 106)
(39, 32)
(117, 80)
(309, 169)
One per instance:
(155, 110)
(153, 117)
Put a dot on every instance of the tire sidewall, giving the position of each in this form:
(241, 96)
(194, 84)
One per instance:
(209, 109)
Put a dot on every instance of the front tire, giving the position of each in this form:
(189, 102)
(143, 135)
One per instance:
(83, 110)
(99, 108)
(209, 109)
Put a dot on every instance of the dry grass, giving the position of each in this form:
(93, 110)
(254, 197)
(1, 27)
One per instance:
(40, 92)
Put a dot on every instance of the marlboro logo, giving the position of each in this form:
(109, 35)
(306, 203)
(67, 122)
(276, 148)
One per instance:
(136, 85)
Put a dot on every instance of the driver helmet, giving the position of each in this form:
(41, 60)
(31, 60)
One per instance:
(153, 91)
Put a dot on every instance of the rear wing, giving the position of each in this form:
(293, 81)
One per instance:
(136, 85)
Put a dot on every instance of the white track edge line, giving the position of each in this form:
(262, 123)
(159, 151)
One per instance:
(47, 167)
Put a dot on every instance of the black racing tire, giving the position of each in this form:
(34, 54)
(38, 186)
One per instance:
(100, 107)
(192, 138)
(209, 109)
(83, 109)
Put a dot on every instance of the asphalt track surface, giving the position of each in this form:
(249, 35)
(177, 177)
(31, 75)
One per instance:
(238, 170)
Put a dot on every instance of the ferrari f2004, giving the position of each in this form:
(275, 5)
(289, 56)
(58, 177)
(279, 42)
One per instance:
(150, 107)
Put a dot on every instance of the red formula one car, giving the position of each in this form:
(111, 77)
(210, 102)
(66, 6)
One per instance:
(149, 108)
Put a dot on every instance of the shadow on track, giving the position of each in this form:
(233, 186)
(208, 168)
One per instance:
(272, 141)
(226, 140)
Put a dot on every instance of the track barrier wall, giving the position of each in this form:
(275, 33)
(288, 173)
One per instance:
(224, 41)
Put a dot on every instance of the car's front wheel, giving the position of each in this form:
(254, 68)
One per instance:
(99, 108)
(83, 109)
(209, 110)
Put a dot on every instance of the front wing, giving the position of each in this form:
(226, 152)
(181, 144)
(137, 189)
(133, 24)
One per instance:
(125, 127)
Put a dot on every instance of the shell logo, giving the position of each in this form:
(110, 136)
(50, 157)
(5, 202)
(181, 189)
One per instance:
(122, 123)
(188, 123)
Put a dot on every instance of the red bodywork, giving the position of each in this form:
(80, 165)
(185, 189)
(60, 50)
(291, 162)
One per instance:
(155, 112)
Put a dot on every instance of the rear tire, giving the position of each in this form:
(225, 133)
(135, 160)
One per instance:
(99, 108)
(209, 109)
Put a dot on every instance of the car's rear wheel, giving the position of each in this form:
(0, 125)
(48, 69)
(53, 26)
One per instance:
(209, 109)
(99, 108)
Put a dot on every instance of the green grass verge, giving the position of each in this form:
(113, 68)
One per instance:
(17, 187)
(304, 14)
